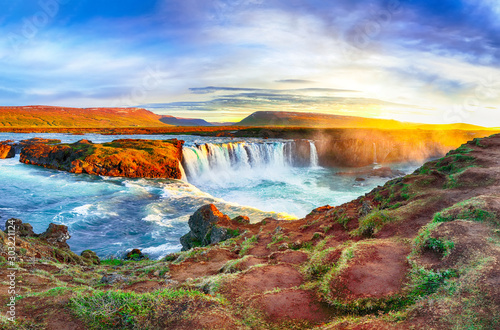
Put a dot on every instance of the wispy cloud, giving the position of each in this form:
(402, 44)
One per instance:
(325, 56)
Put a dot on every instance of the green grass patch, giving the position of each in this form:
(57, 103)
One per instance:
(112, 262)
(343, 220)
(128, 310)
(247, 244)
(471, 209)
(372, 223)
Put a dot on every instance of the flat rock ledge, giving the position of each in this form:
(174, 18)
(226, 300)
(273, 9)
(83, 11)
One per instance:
(131, 158)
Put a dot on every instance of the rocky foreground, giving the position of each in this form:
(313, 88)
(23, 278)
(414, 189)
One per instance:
(125, 157)
(421, 252)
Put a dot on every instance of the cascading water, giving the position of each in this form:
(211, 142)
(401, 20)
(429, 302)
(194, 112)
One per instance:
(211, 162)
(111, 215)
(313, 154)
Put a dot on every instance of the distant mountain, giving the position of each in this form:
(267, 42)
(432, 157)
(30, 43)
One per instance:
(301, 119)
(176, 121)
(51, 116)
(226, 123)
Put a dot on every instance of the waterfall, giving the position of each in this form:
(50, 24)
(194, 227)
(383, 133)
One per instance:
(235, 159)
(313, 156)
(374, 153)
(183, 173)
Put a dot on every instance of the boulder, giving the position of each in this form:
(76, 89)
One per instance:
(209, 226)
(21, 229)
(113, 278)
(242, 219)
(365, 209)
(7, 151)
(135, 255)
(56, 235)
(91, 257)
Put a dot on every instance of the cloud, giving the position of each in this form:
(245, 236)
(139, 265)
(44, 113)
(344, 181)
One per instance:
(295, 81)
(323, 55)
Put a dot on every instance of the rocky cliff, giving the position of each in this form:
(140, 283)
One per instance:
(6, 151)
(126, 157)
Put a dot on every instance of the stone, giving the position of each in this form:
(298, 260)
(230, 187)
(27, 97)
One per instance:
(208, 226)
(7, 151)
(113, 278)
(242, 219)
(366, 207)
(21, 229)
(91, 256)
(135, 255)
(56, 235)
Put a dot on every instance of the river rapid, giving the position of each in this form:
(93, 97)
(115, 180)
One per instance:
(253, 177)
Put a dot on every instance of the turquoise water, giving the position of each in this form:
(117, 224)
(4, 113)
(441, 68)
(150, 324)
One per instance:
(113, 215)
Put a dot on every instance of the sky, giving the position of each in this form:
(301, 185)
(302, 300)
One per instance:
(411, 60)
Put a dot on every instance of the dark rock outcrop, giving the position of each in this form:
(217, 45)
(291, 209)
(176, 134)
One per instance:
(127, 157)
(18, 146)
(56, 235)
(113, 278)
(6, 151)
(91, 256)
(135, 255)
(20, 229)
(50, 245)
(209, 226)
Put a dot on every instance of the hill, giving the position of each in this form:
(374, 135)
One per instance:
(176, 121)
(50, 116)
(317, 120)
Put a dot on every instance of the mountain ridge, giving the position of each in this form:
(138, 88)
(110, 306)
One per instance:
(318, 120)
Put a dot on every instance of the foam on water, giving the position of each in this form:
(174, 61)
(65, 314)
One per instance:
(254, 177)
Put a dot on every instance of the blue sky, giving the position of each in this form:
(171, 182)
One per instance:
(424, 61)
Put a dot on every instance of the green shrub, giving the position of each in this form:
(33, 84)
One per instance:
(343, 220)
(371, 223)
(426, 282)
(439, 245)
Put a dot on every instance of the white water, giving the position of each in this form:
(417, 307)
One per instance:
(253, 177)
(235, 161)
(313, 154)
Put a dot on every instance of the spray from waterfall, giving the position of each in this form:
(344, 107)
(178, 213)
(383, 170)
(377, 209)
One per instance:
(232, 160)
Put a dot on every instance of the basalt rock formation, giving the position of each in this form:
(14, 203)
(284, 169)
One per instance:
(6, 151)
(209, 226)
(19, 243)
(16, 147)
(126, 157)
